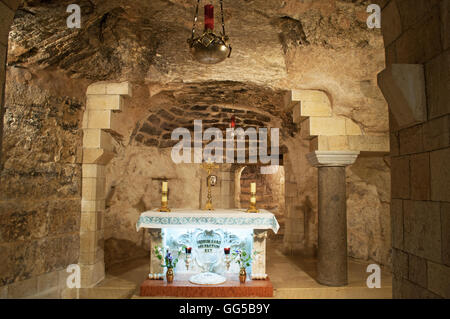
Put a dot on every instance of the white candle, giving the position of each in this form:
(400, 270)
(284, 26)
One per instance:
(164, 186)
(253, 187)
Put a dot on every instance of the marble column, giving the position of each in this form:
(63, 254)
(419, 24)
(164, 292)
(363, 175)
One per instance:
(332, 241)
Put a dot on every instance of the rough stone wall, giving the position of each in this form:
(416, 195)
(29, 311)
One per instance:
(40, 184)
(368, 210)
(420, 34)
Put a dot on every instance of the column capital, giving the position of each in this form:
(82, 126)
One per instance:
(332, 158)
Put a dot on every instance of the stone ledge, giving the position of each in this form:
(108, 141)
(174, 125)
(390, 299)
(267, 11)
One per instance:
(403, 86)
(97, 156)
(93, 170)
(309, 103)
(332, 158)
(181, 287)
(122, 88)
(92, 205)
(104, 102)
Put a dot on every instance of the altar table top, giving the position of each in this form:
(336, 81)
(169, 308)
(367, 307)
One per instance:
(195, 218)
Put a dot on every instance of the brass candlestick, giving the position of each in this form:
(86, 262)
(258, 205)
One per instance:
(252, 208)
(164, 206)
(209, 167)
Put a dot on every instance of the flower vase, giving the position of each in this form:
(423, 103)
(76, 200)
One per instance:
(242, 275)
(169, 275)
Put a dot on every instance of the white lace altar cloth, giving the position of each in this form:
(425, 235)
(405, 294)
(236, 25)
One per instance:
(220, 218)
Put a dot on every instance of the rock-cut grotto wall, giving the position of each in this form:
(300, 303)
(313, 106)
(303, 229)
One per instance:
(40, 182)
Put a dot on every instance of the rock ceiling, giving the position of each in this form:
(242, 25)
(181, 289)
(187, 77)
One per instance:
(279, 44)
(144, 39)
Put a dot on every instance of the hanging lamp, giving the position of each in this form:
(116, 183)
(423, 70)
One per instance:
(209, 48)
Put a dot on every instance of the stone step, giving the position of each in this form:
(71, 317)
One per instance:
(333, 293)
(315, 293)
(99, 293)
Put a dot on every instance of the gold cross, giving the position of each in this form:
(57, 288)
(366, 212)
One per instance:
(209, 166)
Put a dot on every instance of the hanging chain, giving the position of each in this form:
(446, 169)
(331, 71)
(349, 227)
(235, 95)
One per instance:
(195, 20)
(223, 20)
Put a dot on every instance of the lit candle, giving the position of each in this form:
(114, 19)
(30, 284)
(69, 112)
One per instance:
(253, 187)
(164, 186)
(188, 250)
(226, 251)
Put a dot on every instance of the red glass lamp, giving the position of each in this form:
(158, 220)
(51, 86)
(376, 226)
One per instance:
(209, 48)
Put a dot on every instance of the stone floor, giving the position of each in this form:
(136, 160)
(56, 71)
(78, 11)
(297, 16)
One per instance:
(291, 276)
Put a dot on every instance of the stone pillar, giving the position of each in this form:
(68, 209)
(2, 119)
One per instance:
(104, 101)
(332, 244)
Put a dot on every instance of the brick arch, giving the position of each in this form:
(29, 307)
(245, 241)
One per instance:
(155, 129)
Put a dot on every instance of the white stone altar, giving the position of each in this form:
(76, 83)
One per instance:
(208, 233)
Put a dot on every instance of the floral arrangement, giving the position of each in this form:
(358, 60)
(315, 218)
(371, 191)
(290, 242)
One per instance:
(170, 261)
(242, 258)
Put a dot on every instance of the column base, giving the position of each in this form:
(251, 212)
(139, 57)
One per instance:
(329, 283)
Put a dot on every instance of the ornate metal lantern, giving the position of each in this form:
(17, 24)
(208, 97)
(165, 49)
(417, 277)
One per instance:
(209, 48)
